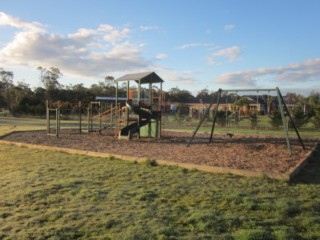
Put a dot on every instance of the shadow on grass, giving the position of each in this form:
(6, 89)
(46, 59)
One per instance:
(310, 174)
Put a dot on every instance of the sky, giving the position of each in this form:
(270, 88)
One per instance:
(192, 45)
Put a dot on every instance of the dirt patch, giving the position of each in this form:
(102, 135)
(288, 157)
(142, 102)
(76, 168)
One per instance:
(266, 154)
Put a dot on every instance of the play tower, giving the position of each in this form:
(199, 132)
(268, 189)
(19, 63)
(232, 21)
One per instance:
(144, 102)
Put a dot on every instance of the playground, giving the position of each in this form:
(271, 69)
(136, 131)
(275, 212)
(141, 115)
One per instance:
(263, 154)
(132, 127)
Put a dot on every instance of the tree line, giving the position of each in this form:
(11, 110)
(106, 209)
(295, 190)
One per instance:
(21, 99)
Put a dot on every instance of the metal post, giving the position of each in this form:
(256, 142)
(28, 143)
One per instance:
(201, 121)
(284, 121)
(127, 112)
(139, 93)
(215, 115)
(100, 116)
(227, 122)
(150, 103)
(150, 95)
(88, 119)
(139, 99)
(80, 117)
(291, 120)
(48, 116)
(57, 121)
(117, 85)
(160, 110)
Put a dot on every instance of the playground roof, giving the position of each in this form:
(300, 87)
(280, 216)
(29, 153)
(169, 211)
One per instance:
(145, 77)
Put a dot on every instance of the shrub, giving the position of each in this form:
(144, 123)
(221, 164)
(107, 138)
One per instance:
(275, 119)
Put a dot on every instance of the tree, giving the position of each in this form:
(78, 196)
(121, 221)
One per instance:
(315, 96)
(105, 88)
(177, 95)
(241, 102)
(109, 81)
(315, 119)
(275, 119)
(293, 98)
(6, 78)
(203, 94)
(49, 77)
(6, 82)
(15, 94)
(268, 100)
(299, 116)
(254, 120)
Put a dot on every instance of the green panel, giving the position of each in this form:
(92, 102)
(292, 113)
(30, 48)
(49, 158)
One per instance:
(144, 131)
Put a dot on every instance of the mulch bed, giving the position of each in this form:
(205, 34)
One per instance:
(266, 154)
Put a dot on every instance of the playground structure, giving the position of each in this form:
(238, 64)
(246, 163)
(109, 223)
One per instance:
(56, 128)
(97, 116)
(283, 109)
(143, 105)
(268, 154)
(139, 112)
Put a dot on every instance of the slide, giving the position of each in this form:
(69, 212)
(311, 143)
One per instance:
(145, 117)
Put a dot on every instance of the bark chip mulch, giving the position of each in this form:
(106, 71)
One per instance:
(266, 154)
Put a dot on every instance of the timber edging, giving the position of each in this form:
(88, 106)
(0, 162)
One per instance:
(212, 169)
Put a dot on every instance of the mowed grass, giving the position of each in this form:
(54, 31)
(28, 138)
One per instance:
(51, 195)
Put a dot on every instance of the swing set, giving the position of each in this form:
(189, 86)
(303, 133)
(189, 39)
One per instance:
(283, 109)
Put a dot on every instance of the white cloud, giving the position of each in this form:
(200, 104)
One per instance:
(173, 77)
(7, 20)
(183, 80)
(105, 31)
(161, 56)
(225, 55)
(306, 71)
(87, 52)
(229, 27)
(192, 45)
(148, 28)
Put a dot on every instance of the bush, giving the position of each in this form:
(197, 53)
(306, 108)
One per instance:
(275, 119)
(299, 117)
(315, 120)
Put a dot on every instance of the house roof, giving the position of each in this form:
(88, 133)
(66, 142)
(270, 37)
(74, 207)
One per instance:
(145, 77)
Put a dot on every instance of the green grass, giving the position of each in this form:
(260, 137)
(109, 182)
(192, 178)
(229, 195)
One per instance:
(244, 127)
(51, 195)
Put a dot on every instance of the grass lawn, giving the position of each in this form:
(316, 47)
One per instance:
(51, 195)
(243, 127)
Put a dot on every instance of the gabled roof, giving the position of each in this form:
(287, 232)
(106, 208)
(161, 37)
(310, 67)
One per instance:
(145, 77)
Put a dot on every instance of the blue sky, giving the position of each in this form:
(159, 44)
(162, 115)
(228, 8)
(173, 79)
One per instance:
(190, 44)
